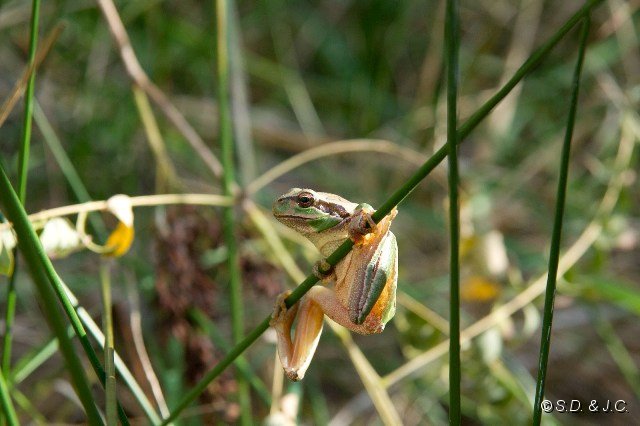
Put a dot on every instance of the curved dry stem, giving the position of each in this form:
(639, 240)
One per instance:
(135, 325)
(373, 383)
(167, 175)
(526, 22)
(333, 148)
(18, 88)
(139, 201)
(427, 314)
(140, 77)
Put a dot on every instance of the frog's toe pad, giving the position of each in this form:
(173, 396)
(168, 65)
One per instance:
(361, 224)
(293, 374)
(322, 269)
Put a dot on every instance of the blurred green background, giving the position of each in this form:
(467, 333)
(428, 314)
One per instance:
(306, 74)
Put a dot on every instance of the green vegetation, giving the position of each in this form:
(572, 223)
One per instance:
(173, 103)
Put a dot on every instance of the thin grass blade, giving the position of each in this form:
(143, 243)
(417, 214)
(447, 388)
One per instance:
(9, 413)
(451, 29)
(229, 183)
(23, 165)
(545, 339)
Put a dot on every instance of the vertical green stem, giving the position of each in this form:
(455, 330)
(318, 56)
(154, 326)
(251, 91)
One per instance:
(10, 315)
(23, 166)
(554, 255)
(226, 140)
(23, 158)
(109, 363)
(452, 41)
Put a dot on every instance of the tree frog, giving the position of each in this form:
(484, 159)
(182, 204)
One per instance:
(359, 293)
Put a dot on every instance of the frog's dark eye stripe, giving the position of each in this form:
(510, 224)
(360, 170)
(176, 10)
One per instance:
(305, 199)
(332, 209)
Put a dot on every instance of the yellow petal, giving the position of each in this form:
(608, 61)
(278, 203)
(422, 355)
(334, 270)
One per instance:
(119, 241)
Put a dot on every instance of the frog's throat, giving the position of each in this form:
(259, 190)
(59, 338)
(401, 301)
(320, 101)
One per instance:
(327, 242)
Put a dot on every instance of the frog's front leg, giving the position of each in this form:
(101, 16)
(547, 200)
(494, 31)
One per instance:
(295, 355)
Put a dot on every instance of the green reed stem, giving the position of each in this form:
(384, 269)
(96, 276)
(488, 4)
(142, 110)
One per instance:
(229, 227)
(554, 255)
(50, 286)
(41, 272)
(387, 206)
(451, 30)
(109, 349)
(23, 166)
(23, 157)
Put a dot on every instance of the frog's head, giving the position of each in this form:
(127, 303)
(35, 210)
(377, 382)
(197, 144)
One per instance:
(310, 212)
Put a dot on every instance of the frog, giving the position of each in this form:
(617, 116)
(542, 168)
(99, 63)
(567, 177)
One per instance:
(359, 292)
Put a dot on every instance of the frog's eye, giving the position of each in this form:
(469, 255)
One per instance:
(305, 199)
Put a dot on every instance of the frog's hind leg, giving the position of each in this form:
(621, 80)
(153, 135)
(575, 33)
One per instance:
(295, 355)
(327, 300)
(307, 335)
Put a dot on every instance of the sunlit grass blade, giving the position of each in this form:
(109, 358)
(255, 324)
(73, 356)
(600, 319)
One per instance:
(229, 183)
(410, 184)
(554, 255)
(9, 413)
(34, 359)
(452, 42)
(108, 349)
